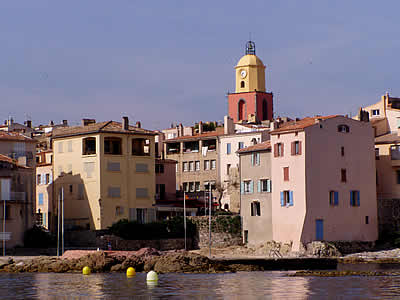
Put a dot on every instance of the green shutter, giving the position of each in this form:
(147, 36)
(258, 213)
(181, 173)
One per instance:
(259, 186)
(269, 185)
(252, 159)
(251, 186)
(242, 187)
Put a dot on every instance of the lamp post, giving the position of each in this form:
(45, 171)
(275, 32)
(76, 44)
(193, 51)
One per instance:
(184, 215)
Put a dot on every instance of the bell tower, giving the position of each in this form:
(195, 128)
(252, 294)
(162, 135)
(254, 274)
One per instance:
(250, 97)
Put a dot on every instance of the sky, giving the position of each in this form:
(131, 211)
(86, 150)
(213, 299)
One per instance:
(163, 62)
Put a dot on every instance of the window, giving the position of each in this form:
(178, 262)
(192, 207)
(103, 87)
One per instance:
(41, 201)
(88, 168)
(197, 165)
(355, 198)
(286, 173)
(343, 128)
(375, 112)
(366, 220)
(114, 192)
(70, 188)
(140, 215)
(191, 186)
(333, 198)
(246, 236)
(278, 149)
(247, 187)
(343, 175)
(159, 168)
(142, 168)
(191, 166)
(287, 198)
(255, 208)
(160, 191)
(119, 210)
(342, 151)
(296, 148)
(255, 159)
(398, 176)
(185, 166)
(264, 185)
(141, 147)
(241, 145)
(142, 193)
(69, 146)
(60, 147)
(81, 191)
(197, 186)
(206, 165)
(113, 166)
(112, 145)
(377, 153)
(395, 152)
(242, 84)
(228, 167)
(47, 178)
(39, 179)
(89, 146)
(228, 148)
(213, 164)
(185, 187)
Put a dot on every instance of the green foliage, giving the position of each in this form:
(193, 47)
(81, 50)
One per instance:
(228, 224)
(132, 230)
(38, 237)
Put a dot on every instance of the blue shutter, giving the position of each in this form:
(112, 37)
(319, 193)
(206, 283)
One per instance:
(269, 185)
(40, 199)
(242, 187)
(228, 148)
(251, 186)
(358, 198)
(282, 199)
(351, 198)
(259, 186)
(252, 159)
(336, 198)
(291, 198)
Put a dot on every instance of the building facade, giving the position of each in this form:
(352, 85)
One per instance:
(105, 172)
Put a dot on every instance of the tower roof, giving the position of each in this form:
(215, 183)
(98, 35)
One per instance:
(250, 60)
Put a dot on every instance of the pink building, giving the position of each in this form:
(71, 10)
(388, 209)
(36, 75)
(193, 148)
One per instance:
(324, 185)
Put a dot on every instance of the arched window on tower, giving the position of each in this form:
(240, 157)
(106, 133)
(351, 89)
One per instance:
(242, 84)
(265, 110)
(241, 110)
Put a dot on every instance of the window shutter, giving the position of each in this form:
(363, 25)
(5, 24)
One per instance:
(258, 206)
(282, 199)
(299, 147)
(282, 149)
(43, 179)
(258, 159)
(351, 198)
(291, 198)
(259, 186)
(276, 150)
(252, 208)
(269, 185)
(358, 198)
(251, 186)
(336, 198)
(293, 148)
(242, 187)
(252, 159)
(51, 178)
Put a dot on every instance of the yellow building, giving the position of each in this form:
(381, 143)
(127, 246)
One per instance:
(105, 172)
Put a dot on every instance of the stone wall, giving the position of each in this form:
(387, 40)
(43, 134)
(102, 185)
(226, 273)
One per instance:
(388, 216)
(225, 231)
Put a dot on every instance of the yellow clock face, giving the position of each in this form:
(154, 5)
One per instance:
(243, 73)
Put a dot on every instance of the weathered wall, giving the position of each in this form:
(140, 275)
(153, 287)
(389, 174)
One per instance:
(225, 231)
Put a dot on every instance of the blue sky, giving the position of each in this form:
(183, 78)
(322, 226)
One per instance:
(172, 61)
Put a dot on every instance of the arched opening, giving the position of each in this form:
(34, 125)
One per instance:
(265, 110)
(242, 84)
(241, 110)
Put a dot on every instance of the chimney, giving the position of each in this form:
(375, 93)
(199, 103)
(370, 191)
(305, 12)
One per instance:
(180, 130)
(51, 123)
(125, 123)
(228, 125)
(86, 122)
(65, 123)
(138, 124)
(200, 127)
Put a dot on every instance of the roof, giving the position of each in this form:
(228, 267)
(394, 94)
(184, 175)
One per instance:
(301, 124)
(376, 120)
(106, 127)
(14, 136)
(4, 158)
(264, 146)
(250, 60)
(218, 131)
(388, 138)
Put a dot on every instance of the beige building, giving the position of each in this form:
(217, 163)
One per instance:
(105, 172)
(256, 193)
(44, 189)
(323, 172)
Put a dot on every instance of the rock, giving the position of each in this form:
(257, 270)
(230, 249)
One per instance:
(117, 268)
(322, 249)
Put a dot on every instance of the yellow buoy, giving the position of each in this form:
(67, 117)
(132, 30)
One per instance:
(130, 272)
(86, 271)
(152, 276)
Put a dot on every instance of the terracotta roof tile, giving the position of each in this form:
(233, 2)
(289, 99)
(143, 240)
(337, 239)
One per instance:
(109, 126)
(301, 124)
(219, 131)
(14, 136)
(257, 147)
